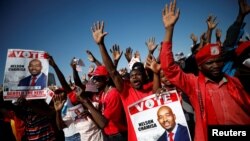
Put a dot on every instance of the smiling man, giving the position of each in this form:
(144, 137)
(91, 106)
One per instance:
(174, 131)
(36, 77)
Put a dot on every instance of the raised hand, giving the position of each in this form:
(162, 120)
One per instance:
(203, 40)
(128, 54)
(151, 45)
(244, 7)
(152, 64)
(73, 63)
(123, 71)
(59, 101)
(218, 33)
(91, 69)
(116, 53)
(218, 36)
(84, 77)
(211, 22)
(194, 38)
(170, 14)
(137, 55)
(97, 32)
(160, 91)
(91, 57)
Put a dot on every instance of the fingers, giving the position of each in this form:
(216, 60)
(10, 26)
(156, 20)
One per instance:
(97, 26)
(102, 25)
(116, 48)
(129, 50)
(166, 10)
(121, 53)
(89, 52)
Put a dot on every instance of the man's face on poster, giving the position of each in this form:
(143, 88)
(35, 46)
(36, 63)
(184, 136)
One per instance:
(166, 118)
(35, 67)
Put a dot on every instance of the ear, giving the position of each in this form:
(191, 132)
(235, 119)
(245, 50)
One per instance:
(199, 67)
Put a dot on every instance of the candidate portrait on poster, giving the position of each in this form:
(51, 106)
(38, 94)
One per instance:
(152, 116)
(26, 73)
(36, 77)
(173, 131)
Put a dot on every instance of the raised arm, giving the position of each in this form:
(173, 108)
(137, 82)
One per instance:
(76, 75)
(128, 54)
(92, 58)
(211, 24)
(60, 75)
(194, 39)
(97, 116)
(150, 43)
(59, 101)
(116, 54)
(155, 68)
(170, 16)
(218, 36)
(98, 35)
(234, 31)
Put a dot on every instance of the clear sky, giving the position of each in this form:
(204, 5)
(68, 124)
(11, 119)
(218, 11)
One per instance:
(62, 27)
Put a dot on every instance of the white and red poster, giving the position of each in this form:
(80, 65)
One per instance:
(144, 116)
(26, 73)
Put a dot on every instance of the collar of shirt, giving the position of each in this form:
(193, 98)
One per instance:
(223, 80)
(37, 76)
(174, 130)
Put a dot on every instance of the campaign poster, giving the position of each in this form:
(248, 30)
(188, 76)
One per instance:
(26, 73)
(77, 112)
(144, 116)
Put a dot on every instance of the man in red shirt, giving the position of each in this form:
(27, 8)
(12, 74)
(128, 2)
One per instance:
(130, 92)
(217, 98)
(111, 106)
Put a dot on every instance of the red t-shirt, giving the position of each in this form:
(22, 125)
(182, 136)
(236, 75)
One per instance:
(112, 109)
(129, 96)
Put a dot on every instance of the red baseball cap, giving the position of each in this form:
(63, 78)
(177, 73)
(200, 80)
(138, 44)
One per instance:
(100, 71)
(207, 52)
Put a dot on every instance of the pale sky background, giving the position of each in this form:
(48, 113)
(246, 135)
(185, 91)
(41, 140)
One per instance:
(62, 27)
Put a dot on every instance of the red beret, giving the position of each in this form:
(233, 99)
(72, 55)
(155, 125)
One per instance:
(242, 47)
(207, 52)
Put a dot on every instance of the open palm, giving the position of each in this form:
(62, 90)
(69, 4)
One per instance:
(97, 32)
(170, 15)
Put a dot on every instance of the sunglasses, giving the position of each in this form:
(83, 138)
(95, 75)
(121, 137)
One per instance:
(98, 78)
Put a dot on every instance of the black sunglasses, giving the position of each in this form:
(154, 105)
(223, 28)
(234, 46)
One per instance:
(98, 78)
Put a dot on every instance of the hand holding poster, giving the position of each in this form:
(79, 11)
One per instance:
(154, 118)
(26, 74)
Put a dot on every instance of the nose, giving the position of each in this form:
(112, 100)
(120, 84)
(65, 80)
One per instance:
(217, 64)
(165, 119)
